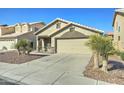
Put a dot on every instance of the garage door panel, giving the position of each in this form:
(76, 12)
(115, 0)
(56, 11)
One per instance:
(6, 43)
(72, 46)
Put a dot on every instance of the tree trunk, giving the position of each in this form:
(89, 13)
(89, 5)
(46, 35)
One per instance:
(18, 51)
(96, 60)
(105, 64)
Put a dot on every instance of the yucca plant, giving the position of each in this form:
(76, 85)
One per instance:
(103, 46)
(95, 44)
(106, 50)
(22, 45)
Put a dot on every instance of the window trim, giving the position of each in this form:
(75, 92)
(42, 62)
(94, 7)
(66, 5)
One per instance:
(58, 25)
(119, 28)
(72, 29)
(119, 38)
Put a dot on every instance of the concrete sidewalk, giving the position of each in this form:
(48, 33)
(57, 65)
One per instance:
(57, 69)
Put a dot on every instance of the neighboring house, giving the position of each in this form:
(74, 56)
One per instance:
(61, 36)
(9, 35)
(118, 26)
(110, 35)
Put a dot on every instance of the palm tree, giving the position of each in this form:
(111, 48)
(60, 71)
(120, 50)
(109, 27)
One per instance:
(95, 44)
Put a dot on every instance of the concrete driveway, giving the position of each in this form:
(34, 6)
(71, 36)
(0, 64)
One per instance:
(57, 69)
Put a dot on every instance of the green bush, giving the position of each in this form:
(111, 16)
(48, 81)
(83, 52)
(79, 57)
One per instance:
(122, 55)
(118, 53)
(4, 48)
(23, 46)
(29, 49)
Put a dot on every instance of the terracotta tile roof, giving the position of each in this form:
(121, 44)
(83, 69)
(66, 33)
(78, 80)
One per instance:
(110, 33)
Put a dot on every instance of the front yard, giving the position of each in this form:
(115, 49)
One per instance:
(115, 71)
(12, 57)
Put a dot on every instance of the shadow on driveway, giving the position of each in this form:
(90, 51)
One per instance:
(4, 82)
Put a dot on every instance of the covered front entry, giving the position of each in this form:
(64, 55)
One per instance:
(44, 45)
(73, 46)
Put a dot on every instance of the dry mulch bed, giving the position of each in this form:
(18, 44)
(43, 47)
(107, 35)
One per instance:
(13, 57)
(115, 71)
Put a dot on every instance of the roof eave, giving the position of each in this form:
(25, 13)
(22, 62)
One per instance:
(58, 19)
(119, 13)
(114, 19)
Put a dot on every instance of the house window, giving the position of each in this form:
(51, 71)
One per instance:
(118, 28)
(72, 28)
(118, 38)
(58, 25)
(36, 28)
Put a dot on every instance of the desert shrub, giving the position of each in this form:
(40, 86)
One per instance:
(122, 55)
(118, 53)
(29, 48)
(4, 48)
(23, 46)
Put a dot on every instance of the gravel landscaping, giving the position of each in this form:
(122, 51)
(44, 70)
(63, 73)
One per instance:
(13, 57)
(115, 73)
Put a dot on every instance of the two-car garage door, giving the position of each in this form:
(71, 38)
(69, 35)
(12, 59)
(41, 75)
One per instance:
(9, 44)
(73, 46)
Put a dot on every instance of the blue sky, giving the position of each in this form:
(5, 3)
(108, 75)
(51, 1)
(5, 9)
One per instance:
(100, 18)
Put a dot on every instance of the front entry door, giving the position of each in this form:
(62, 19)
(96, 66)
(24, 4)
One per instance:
(47, 44)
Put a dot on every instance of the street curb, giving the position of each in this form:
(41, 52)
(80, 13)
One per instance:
(12, 80)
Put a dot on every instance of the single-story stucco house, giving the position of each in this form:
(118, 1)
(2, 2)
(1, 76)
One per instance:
(9, 35)
(62, 36)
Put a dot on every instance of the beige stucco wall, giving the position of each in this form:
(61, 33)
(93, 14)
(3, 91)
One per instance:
(18, 28)
(51, 29)
(22, 28)
(120, 20)
(25, 28)
(81, 30)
